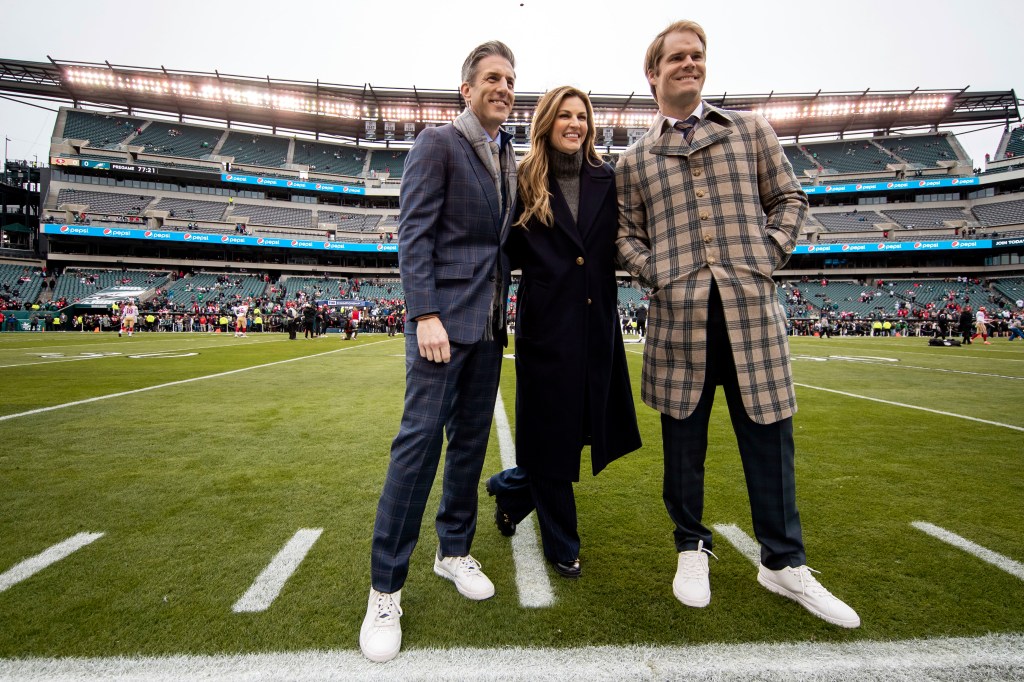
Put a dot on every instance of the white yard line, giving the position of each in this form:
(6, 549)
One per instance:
(531, 575)
(29, 567)
(262, 593)
(51, 408)
(1014, 568)
(912, 407)
(999, 656)
(743, 543)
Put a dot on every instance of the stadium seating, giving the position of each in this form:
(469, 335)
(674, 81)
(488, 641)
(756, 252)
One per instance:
(191, 209)
(273, 215)
(13, 289)
(204, 288)
(177, 139)
(800, 161)
(350, 222)
(926, 217)
(921, 150)
(388, 161)
(101, 130)
(1000, 213)
(329, 158)
(852, 221)
(108, 203)
(852, 156)
(77, 283)
(256, 150)
(1015, 145)
(1011, 287)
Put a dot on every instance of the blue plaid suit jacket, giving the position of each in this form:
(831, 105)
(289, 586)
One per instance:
(451, 233)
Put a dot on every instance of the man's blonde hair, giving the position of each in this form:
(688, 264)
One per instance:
(657, 47)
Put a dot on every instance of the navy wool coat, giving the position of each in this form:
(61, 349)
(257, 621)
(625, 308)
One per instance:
(572, 383)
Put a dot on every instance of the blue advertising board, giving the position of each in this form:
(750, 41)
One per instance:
(196, 237)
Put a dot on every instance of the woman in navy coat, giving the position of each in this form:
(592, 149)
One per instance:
(572, 383)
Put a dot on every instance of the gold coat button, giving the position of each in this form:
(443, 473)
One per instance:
(704, 216)
(700, 193)
(707, 238)
(696, 172)
(579, 260)
(711, 260)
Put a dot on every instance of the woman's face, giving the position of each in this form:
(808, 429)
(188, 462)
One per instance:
(570, 128)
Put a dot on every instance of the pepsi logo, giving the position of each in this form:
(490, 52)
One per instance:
(917, 245)
(260, 240)
(318, 185)
(148, 234)
(224, 238)
(859, 186)
(889, 185)
(231, 177)
(380, 247)
(327, 245)
(881, 245)
(846, 247)
(64, 228)
(107, 231)
(295, 242)
(956, 244)
(921, 183)
(259, 181)
(188, 235)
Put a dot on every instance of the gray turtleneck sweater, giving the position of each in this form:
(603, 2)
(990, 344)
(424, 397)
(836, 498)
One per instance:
(566, 169)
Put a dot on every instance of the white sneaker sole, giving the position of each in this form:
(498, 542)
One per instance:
(697, 604)
(783, 592)
(475, 596)
(379, 656)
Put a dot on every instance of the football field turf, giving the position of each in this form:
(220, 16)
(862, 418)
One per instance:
(203, 495)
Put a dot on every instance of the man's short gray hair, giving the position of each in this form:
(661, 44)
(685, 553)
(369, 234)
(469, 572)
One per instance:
(492, 48)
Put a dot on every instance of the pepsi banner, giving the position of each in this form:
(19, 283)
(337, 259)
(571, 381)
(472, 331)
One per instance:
(290, 184)
(885, 247)
(193, 237)
(893, 185)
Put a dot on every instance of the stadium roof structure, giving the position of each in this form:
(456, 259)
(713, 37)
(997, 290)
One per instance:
(359, 113)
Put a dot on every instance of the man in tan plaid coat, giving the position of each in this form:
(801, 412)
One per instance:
(710, 208)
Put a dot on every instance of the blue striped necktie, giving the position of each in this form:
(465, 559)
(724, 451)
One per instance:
(686, 127)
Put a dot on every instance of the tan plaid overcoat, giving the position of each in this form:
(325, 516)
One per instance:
(727, 206)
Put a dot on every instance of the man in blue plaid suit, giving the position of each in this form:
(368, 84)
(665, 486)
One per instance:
(457, 194)
(709, 209)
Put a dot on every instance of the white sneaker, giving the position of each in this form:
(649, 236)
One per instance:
(799, 585)
(691, 584)
(380, 637)
(465, 572)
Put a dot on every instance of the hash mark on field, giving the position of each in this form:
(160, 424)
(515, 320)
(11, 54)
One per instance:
(743, 543)
(531, 577)
(262, 593)
(1014, 568)
(32, 565)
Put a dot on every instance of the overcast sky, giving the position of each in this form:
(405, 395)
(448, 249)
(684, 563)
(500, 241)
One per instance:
(753, 47)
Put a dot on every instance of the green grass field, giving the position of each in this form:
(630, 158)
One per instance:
(199, 482)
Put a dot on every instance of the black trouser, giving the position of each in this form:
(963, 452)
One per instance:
(766, 451)
(519, 493)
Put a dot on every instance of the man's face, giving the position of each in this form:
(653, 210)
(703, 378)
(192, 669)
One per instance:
(681, 71)
(492, 93)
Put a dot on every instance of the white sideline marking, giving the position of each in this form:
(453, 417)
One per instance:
(40, 410)
(999, 656)
(911, 407)
(531, 577)
(29, 567)
(1014, 568)
(262, 593)
(743, 543)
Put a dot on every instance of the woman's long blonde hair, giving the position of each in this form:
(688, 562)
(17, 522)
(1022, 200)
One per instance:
(533, 171)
